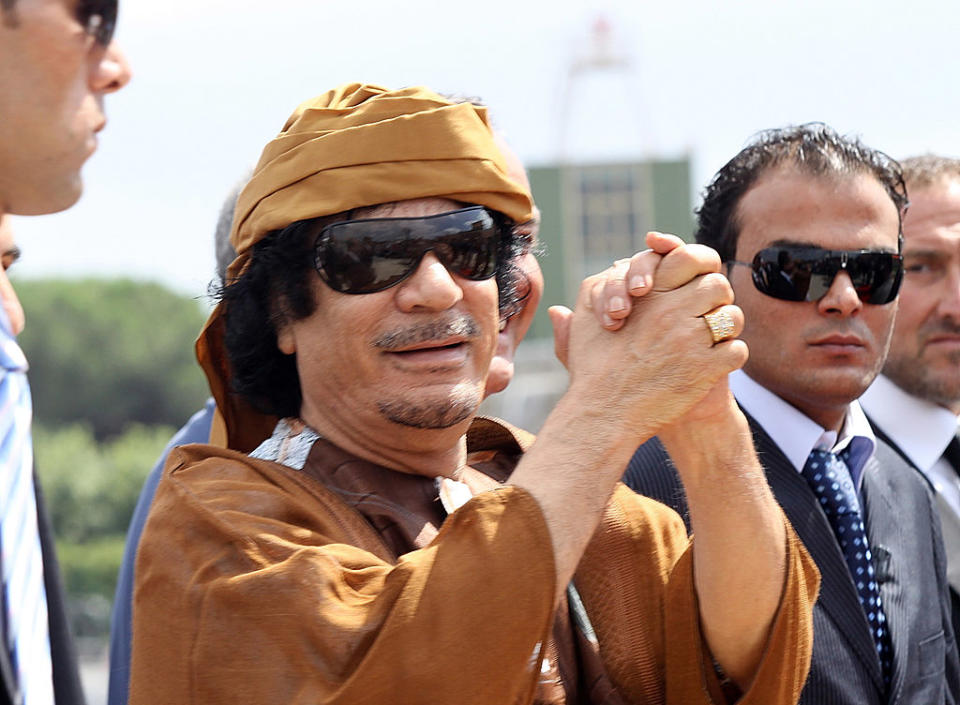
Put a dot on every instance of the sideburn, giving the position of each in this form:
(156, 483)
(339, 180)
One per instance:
(9, 11)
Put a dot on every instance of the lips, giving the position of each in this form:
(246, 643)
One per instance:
(839, 345)
(943, 341)
(839, 340)
(431, 346)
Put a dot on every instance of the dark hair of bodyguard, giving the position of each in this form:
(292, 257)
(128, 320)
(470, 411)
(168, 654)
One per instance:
(277, 288)
(815, 149)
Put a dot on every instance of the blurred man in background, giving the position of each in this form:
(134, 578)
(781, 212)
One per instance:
(57, 62)
(915, 403)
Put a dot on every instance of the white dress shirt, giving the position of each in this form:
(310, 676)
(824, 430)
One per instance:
(921, 429)
(796, 434)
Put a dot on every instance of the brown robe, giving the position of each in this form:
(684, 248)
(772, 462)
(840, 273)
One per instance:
(345, 583)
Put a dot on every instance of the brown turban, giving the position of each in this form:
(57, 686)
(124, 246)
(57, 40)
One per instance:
(357, 145)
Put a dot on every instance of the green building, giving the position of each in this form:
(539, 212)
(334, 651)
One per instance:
(593, 214)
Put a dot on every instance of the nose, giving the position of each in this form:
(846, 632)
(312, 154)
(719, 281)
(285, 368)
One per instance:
(841, 298)
(430, 288)
(110, 71)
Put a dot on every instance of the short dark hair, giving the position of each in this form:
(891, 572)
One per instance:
(276, 289)
(813, 148)
(929, 169)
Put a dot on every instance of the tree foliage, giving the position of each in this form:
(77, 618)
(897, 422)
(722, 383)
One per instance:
(110, 353)
(91, 489)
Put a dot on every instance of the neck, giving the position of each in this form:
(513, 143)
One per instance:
(830, 419)
(418, 451)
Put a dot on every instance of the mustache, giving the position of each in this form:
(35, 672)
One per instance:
(941, 326)
(461, 326)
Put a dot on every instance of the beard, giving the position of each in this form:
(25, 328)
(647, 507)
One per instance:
(424, 413)
(936, 383)
(419, 408)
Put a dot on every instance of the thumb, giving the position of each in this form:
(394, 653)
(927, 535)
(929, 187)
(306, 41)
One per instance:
(560, 317)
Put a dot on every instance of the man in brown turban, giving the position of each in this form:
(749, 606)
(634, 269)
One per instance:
(364, 537)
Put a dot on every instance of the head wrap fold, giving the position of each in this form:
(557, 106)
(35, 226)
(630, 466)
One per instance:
(354, 146)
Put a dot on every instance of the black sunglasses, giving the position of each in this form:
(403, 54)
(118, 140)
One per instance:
(798, 273)
(98, 18)
(368, 255)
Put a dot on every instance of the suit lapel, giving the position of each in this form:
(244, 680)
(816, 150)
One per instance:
(949, 518)
(887, 546)
(838, 595)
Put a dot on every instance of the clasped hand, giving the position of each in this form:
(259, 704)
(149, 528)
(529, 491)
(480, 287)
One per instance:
(637, 343)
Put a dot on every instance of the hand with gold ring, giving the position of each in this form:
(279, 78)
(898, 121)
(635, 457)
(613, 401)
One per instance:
(721, 323)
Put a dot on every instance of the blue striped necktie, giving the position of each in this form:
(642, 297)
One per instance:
(829, 477)
(25, 600)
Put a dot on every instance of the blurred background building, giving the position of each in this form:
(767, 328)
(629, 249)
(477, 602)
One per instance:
(605, 191)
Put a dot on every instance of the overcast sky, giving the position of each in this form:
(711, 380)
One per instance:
(214, 80)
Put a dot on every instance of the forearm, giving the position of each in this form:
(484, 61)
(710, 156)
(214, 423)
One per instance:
(739, 537)
(571, 471)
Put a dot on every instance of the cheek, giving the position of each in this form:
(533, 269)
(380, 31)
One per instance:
(881, 321)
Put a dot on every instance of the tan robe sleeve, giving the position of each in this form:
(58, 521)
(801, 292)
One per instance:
(248, 590)
(636, 580)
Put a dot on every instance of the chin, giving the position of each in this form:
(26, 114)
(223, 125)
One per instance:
(52, 200)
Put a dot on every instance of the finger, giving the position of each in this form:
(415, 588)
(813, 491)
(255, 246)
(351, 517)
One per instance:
(683, 264)
(712, 291)
(610, 297)
(640, 272)
(662, 243)
(560, 317)
(722, 324)
(732, 354)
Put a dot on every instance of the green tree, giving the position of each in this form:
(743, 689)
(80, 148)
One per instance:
(110, 353)
(91, 489)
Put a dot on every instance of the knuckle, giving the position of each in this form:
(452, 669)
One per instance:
(705, 254)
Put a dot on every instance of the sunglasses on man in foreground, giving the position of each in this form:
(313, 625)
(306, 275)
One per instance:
(372, 254)
(804, 273)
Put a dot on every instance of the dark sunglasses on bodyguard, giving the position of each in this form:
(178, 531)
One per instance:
(368, 255)
(801, 273)
(98, 19)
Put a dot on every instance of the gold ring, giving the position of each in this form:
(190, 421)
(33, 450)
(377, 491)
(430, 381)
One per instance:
(721, 325)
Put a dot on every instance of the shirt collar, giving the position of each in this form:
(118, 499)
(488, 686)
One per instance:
(920, 428)
(11, 356)
(796, 434)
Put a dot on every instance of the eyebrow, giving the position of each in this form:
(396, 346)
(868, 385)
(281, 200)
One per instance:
(812, 246)
(926, 253)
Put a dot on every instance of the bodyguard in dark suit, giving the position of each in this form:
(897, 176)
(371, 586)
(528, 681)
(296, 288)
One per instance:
(807, 224)
(915, 403)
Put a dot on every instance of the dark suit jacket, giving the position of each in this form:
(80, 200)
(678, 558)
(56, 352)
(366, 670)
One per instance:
(949, 520)
(908, 554)
(66, 678)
